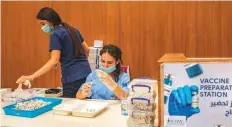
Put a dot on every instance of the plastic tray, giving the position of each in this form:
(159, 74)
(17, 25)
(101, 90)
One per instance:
(89, 109)
(80, 108)
(66, 108)
(10, 110)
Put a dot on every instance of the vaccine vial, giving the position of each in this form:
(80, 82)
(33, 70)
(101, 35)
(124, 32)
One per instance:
(124, 107)
(195, 99)
(89, 93)
(124, 103)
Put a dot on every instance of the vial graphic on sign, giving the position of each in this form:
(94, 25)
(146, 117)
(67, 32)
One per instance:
(195, 99)
(168, 81)
(183, 101)
(193, 70)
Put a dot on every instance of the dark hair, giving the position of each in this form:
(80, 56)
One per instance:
(115, 52)
(51, 16)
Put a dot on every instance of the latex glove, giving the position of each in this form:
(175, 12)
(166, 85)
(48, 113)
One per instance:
(86, 89)
(26, 83)
(106, 80)
(25, 80)
(180, 102)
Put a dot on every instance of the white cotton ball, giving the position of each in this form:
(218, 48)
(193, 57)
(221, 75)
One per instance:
(27, 83)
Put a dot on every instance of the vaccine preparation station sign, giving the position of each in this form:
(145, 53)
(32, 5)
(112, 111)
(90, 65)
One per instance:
(198, 94)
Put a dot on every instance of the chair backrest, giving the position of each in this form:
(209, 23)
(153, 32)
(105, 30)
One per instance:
(126, 70)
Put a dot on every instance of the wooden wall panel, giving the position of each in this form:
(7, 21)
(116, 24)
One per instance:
(112, 23)
(152, 38)
(190, 38)
(226, 29)
(89, 17)
(204, 28)
(179, 26)
(167, 14)
(144, 30)
(24, 45)
(131, 36)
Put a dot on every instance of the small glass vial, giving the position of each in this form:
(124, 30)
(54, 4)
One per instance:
(124, 104)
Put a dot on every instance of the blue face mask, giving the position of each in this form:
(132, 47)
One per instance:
(109, 69)
(47, 29)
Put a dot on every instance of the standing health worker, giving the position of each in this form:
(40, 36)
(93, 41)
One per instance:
(68, 47)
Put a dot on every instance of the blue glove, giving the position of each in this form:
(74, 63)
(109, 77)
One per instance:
(180, 102)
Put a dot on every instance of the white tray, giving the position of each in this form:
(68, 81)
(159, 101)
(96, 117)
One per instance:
(80, 108)
(89, 109)
(63, 109)
(67, 107)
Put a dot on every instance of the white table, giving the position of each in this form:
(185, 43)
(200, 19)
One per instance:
(111, 117)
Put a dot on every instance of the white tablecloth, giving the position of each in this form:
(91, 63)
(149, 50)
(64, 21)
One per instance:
(111, 117)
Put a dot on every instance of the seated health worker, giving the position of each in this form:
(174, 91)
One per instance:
(109, 82)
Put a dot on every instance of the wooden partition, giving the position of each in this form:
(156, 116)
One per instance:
(144, 30)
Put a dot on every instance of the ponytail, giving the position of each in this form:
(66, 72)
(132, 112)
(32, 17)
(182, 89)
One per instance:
(78, 49)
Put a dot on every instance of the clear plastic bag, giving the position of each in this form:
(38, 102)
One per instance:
(142, 86)
(18, 95)
(141, 119)
(142, 104)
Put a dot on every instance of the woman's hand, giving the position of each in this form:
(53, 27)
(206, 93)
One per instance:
(107, 80)
(104, 77)
(24, 80)
(86, 90)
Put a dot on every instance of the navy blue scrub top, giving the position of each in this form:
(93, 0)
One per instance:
(73, 68)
